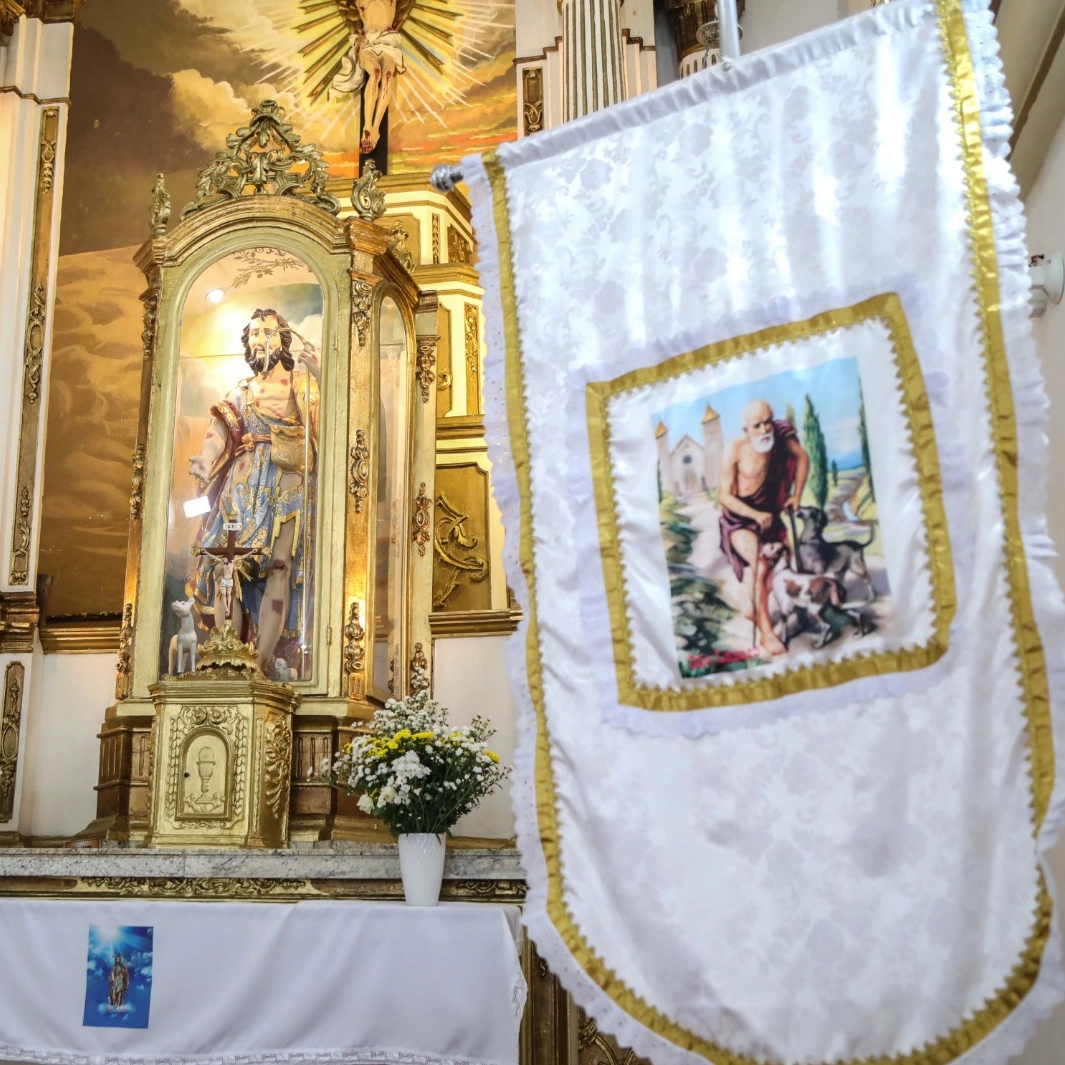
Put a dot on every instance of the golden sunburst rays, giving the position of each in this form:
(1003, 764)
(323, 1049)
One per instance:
(444, 42)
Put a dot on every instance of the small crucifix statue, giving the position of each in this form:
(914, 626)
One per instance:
(226, 574)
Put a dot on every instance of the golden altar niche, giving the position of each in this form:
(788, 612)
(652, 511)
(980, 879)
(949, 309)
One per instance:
(278, 585)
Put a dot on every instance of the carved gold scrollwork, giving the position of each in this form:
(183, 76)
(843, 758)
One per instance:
(47, 161)
(426, 363)
(159, 214)
(277, 765)
(222, 887)
(532, 91)
(361, 302)
(421, 520)
(11, 716)
(195, 887)
(449, 533)
(398, 245)
(267, 157)
(436, 239)
(419, 668)
(34, 352)
(150, 324)
(367, 199)
(136, 495)
(224, 650)
(20, 548)
(472, 331)
(124, 681)
(354, 652)
(459, 249)
(473, 336)
(359, 470)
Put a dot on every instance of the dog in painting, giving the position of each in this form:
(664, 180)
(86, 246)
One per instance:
(802, 598)
(830, 558)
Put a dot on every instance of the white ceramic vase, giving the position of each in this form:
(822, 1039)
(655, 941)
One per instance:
(421, 865)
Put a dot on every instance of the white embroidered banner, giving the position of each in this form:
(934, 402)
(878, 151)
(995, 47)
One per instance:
(767, 433)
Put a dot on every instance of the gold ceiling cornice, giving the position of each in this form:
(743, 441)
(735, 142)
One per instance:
(10, 12)
(53, 10)
(45, 10)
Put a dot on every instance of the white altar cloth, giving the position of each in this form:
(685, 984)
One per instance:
(308, 982)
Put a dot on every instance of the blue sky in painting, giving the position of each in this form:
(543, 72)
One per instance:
(834, 387)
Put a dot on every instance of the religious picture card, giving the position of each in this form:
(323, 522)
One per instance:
(767, 432)
(118, 977)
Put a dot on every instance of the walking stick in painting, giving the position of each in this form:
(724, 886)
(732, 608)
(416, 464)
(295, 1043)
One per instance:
(754, 586)
(795, 542)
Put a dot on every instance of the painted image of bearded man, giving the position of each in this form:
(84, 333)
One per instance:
(763, 473)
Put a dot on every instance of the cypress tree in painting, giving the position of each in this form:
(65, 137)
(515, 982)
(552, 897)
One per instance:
(789, 414)
(863, 432)
(814, 442)
(835, 474)
(699, 610)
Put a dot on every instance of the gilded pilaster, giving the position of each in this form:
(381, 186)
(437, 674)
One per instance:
(10, 721)
(472, 334)
(22, 564)
(532, 100)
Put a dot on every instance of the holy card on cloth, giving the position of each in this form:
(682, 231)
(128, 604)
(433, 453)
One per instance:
(766, 426)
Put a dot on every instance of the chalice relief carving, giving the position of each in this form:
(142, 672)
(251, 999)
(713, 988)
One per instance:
(205, 777)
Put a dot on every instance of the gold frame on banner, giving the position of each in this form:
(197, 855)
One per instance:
(1016, 983)
(887, 309)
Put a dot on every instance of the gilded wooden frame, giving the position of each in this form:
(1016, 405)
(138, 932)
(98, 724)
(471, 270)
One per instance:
(351, 262)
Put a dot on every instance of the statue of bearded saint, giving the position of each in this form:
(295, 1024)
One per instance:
(256, 467)
(375, 57)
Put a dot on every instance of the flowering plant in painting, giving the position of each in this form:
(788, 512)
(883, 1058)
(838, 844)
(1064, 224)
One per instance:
(417, 773)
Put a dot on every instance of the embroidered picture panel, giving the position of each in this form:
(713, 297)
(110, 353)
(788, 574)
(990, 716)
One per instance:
(748, 548)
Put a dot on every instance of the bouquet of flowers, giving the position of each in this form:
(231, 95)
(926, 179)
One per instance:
(415, 772)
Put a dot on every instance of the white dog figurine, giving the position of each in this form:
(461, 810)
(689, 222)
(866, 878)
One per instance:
(183, 645)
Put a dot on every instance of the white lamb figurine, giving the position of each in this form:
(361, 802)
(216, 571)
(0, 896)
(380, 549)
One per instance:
(183, 645)
(283, 671)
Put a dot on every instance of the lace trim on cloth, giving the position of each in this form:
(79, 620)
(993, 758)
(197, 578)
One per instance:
(310, 1057)
(1030, 992)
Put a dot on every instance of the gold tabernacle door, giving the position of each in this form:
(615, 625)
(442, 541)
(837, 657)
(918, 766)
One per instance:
(283, 475)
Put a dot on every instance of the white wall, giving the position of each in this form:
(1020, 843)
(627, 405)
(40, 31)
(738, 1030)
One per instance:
(768, 22)
(1045, 208)
(470, 677)
(62, 753)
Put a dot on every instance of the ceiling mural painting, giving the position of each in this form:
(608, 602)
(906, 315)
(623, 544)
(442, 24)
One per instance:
(157, 86)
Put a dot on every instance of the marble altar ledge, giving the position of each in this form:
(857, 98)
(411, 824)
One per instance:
(338, 862)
